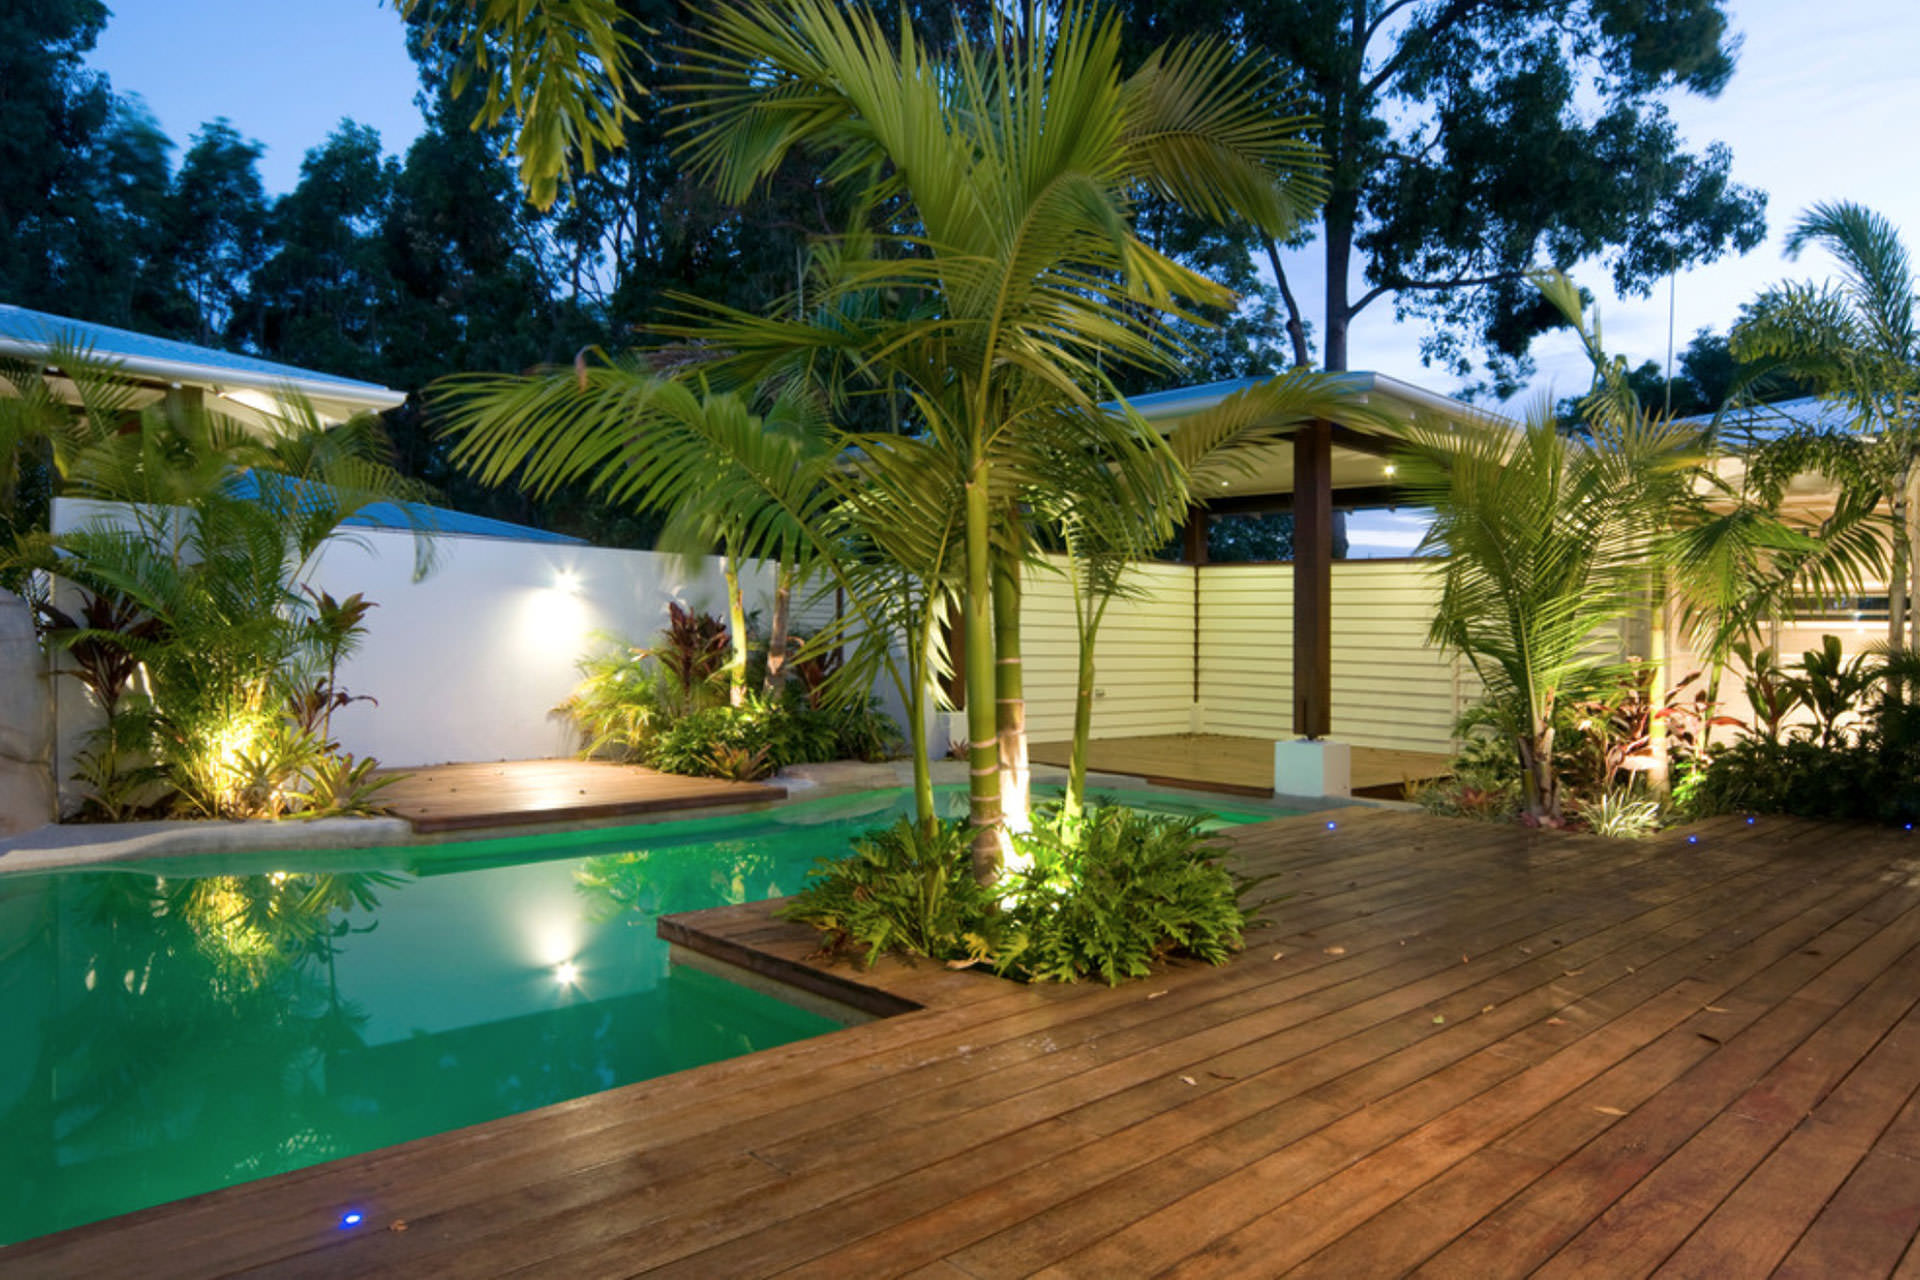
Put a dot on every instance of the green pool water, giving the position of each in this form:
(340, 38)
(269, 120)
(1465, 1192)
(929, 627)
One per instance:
(176, 1025)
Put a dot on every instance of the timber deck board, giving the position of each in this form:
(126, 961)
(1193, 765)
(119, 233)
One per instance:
(1458, 1050)
(1234, 765)
(464, 797)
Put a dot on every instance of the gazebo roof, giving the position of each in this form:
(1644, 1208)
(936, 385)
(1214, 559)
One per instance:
(1359, 456)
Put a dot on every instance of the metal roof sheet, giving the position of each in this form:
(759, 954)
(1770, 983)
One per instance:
(32, 334)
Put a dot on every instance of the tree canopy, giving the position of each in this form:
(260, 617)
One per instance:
(1471, 141)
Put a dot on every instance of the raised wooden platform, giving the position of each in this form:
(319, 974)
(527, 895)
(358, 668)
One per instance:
(1235, 766)
(1460, 1050)
(456, 797)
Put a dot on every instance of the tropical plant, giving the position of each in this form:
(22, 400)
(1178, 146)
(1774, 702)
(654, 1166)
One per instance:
(1769, 691)
(1834, 688)
(904, 888)
(559, 70)
(1856, 343)
(692, 653)
(1115, 892)
(337, 785)
(619, 702)
(1536, 564)
(1722, 555)
(1000, 181)
(196, 566)
(1621, 814)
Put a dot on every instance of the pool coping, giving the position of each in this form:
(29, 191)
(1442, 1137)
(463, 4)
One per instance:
(780, 958)
(74, 844)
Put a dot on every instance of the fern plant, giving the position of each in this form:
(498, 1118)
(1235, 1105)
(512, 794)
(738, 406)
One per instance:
(1110, 893)
(905, 888)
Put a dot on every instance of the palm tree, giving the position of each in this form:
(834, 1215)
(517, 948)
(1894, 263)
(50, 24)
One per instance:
(1855, 341)
(201, 564)
(866, 514)
(999, 182)
(1537, 562)
(1718, 553)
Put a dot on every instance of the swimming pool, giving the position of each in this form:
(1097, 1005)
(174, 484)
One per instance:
(181, 1024)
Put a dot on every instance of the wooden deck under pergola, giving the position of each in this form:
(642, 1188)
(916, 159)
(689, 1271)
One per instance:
(1235, 765)
(1458, 1049)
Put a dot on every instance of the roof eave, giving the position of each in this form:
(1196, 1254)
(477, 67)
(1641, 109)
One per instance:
(356, 396)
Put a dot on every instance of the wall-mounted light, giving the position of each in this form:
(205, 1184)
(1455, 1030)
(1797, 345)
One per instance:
(566, 973)
(566, 580)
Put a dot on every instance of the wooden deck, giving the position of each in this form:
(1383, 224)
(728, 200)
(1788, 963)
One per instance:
(1235, 766)
(1460, 1050)
(457, 797)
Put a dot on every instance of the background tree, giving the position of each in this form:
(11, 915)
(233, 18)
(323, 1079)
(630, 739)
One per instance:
(1470, 141)
(216, 225)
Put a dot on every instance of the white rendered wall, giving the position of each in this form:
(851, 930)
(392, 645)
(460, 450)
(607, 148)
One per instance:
(468, 663)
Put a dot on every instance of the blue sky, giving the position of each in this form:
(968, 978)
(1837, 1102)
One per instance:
(1820, 108)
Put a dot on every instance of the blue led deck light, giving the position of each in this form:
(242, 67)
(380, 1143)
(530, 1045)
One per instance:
(1330, 826)
(1750, 821)
(352, 1218)
(1693, 839)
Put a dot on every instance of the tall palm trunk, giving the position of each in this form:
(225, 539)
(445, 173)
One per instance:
(778, 626)
(1659, 680)
(919, 682)
(1076, 798)
(1540, 785)
(1010, 704)
(1910, 485)
(1898, 602)
(737, 625)
(983, 764)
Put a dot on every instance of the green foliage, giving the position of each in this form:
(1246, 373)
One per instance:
(907, 888)
(1833, 688)
(1107, 895)
(618, 703)
(776, 731)
(1484, 775)
(666, 706)
(1858, 759)
(1537, 562)
(1620, 814)
(1110, 896)
(560, 70)
(1446, 127)
(196, 579)
(338, 786)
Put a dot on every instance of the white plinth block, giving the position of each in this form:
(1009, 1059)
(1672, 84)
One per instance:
(1312, 767)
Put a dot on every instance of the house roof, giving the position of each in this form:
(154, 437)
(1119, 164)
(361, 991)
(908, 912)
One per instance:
(1765, 419)
(34, 335)
(415, 517)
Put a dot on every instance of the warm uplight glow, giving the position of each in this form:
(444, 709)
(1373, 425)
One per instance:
(566, 973)
(1388, 468)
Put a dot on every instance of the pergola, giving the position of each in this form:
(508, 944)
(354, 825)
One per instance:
(1322, 465)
